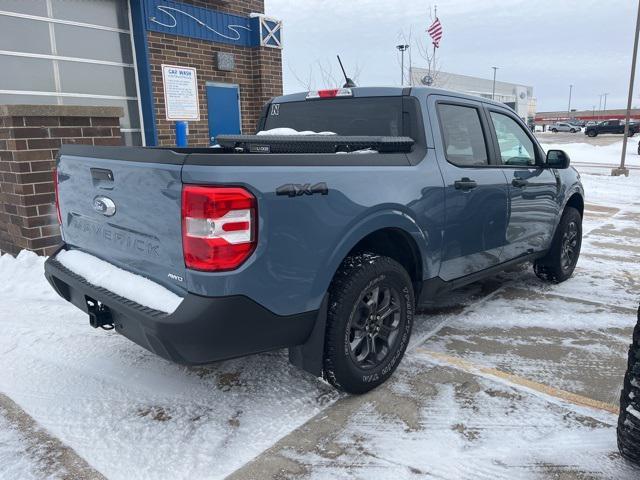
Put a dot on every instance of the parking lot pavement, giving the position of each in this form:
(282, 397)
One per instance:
(508, 378)
(580, 137)
(512, 378)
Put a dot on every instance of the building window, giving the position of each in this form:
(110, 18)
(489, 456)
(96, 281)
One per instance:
(70, 52)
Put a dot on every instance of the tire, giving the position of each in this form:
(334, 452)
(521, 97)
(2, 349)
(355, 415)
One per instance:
(638, 148)
(554, 130)
(631, 134)
(592, 133)
(573, 130)
(364, 285)
(628, 431)
(560, 261)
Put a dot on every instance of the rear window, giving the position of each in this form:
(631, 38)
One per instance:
(379, 116)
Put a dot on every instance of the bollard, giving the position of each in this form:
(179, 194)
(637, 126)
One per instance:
(182, 134)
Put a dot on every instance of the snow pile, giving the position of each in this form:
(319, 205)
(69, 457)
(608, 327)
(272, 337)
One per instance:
(291, 131)
(364, 150)
(587, 153)
(16, 459)
(126, 284)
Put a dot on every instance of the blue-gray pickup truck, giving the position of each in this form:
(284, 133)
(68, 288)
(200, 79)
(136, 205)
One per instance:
(322, 244)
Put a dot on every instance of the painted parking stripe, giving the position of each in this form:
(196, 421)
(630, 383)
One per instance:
(516, 381)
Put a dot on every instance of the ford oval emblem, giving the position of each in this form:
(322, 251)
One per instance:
(104, 205)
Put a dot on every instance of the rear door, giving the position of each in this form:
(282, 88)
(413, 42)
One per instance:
(476, 194)
(533, 190)
(124, 205)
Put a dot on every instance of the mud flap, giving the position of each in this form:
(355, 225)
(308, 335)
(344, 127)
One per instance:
(309, 355)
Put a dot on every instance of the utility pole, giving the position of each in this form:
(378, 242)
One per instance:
(605, 101)
(569, 107)
(493, 91)
(622, 170)
(402, 49)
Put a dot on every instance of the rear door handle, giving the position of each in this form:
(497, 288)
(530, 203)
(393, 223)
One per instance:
(465, 184)
(518, 182)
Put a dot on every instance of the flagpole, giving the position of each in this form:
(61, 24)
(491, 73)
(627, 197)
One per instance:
(433, 57)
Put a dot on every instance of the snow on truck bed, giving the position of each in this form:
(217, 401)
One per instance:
(126, 284)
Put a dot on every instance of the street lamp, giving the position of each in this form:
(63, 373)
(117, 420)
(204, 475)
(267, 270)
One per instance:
(402, 49)
(493, 91)
(569, 107)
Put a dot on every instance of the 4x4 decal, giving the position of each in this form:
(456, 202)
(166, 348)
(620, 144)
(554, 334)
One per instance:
(297, 190)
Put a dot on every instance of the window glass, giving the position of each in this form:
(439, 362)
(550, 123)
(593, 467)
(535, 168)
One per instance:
(78, 77)
(30, 7)
(36, 74)
(13, 99)
(13, 37)
(344, 116)
(80, 42)
(462, 135)
(108, 13)
(516, 148)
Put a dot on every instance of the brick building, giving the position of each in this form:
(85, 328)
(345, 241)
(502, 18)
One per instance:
(59, 55)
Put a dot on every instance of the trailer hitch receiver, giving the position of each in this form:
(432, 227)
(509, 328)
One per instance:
(99, 314)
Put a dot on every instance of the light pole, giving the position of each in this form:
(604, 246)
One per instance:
(604, 108)
(569, 107)
(493, 90)
(402, 49)
(622, 170)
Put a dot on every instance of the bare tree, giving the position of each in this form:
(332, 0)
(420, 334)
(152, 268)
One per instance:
(427, 51)
(321, 72)
(307, 83)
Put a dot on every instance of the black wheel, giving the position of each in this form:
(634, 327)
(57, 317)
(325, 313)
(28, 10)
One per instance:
(369, 322)
(592, 133)
(559, 263)
(554, 130)
(629, 418)
(573, 130)
(639, 148)
(631, 134)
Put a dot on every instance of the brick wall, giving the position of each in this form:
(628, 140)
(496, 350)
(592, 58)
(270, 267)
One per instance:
(30, 136)
(258, 72)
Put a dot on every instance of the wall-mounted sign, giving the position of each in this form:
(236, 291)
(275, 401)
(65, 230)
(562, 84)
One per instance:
(180, 93)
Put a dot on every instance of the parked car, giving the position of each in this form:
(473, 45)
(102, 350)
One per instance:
(324, 244)
(611, 126)
(564, 127)
(577, 123)
(590, 122)
(629, 417)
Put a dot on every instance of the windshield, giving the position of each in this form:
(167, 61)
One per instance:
(378, 116)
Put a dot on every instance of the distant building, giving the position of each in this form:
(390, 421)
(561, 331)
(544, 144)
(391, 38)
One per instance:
(519, 97)
(547, 118)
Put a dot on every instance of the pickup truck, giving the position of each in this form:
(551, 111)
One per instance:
(611, 126)
(322, 244)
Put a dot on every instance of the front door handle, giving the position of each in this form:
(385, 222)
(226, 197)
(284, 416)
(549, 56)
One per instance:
(465, 184)
(518, 182)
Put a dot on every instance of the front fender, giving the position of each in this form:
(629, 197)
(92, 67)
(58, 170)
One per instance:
(378, 220)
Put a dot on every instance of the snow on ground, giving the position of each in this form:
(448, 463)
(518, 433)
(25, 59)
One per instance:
(587, 153)
(126, 284)
(129, 413)
(133, 415)
(16, 459)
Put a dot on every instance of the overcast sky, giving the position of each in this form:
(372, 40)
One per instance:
(547, 44)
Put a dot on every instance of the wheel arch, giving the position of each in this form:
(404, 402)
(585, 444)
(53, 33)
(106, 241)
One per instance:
(576, 201)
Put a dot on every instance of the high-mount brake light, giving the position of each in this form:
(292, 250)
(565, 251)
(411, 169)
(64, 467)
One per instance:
(57, 195)
(218, 227)
(332, 93)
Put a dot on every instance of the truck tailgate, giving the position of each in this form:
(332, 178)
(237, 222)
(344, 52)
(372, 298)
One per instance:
(123, 205)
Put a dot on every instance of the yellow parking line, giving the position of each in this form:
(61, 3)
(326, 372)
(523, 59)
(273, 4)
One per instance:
(472, 368)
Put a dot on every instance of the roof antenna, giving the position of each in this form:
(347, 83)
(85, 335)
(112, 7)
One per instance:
(348, 83)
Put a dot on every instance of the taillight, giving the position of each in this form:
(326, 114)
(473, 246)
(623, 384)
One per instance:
(332, 93)
(218, 227)
(55, 189)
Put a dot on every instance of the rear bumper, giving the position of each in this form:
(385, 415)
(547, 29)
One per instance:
(201, 330)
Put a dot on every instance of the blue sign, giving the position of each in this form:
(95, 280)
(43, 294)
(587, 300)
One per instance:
(177, 18)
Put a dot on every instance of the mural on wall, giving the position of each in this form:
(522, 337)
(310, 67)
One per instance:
(177, 18)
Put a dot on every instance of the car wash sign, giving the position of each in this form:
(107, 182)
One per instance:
(177, 18)
(180, 93)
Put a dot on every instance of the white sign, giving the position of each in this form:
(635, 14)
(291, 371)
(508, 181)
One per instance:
(180, 93)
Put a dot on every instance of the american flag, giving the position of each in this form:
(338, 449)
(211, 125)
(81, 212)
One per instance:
(435, 32)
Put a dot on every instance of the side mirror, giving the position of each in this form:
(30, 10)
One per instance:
(557, 159)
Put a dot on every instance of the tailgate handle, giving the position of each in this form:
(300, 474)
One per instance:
(102, 178)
